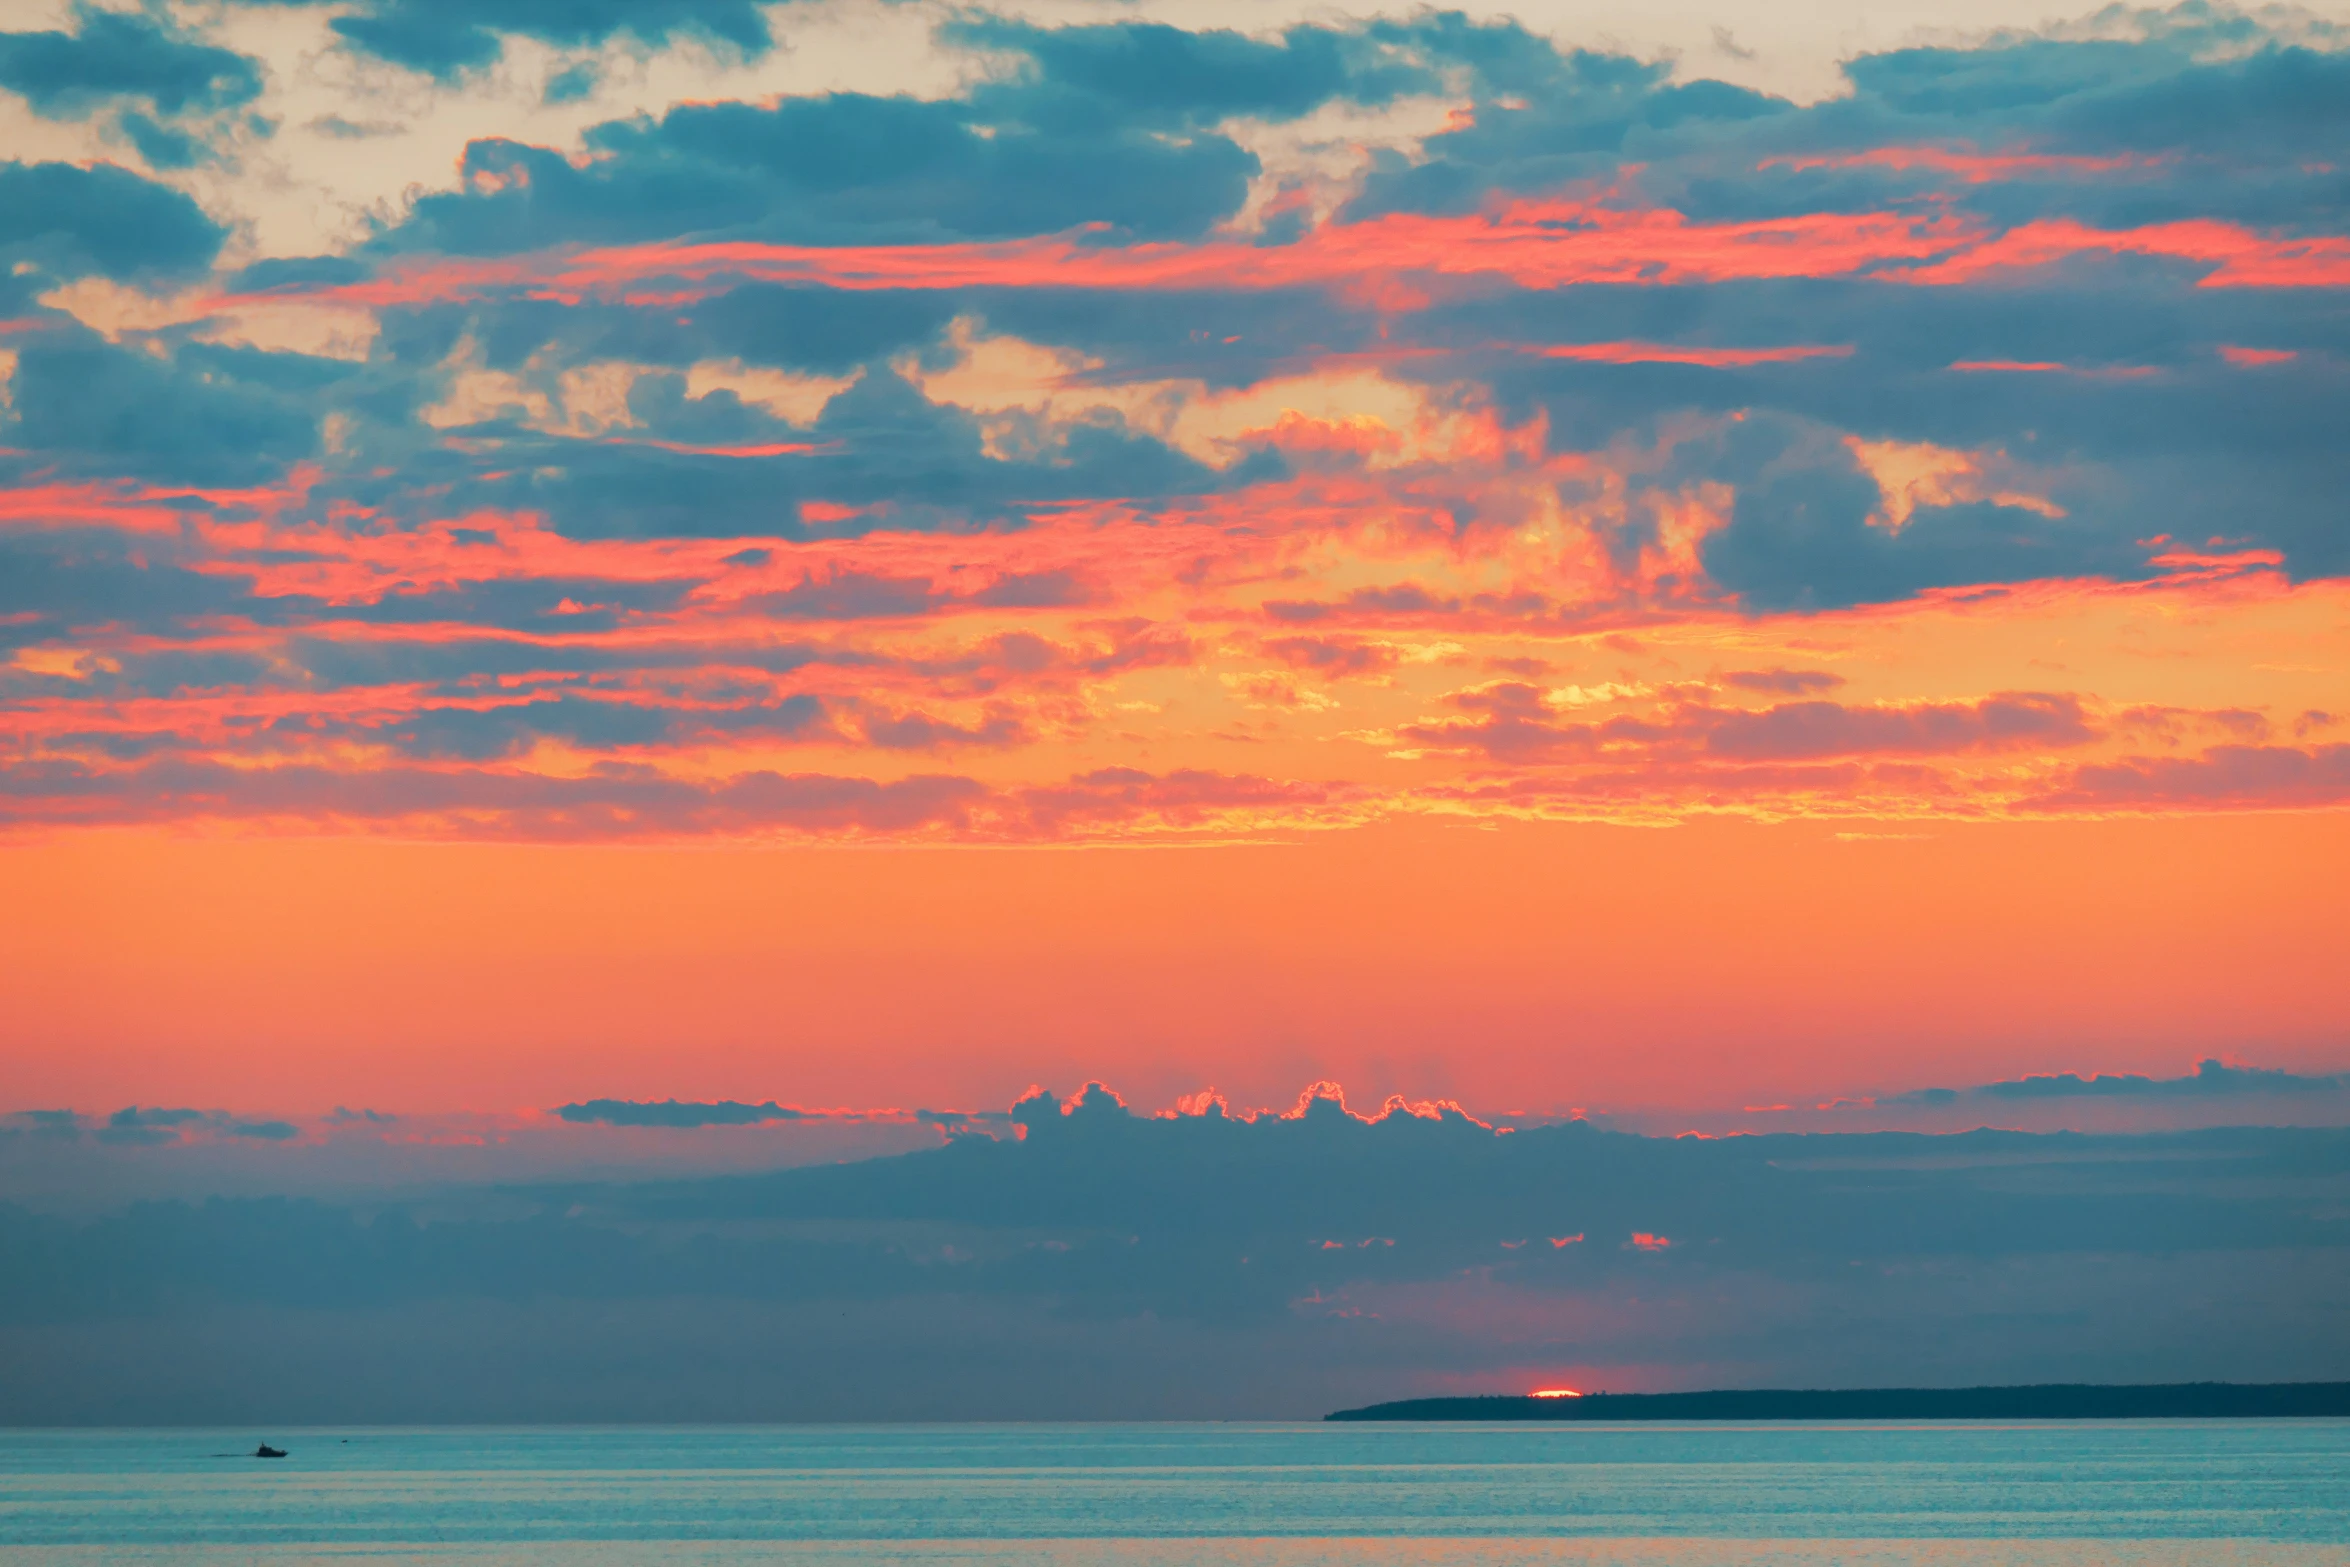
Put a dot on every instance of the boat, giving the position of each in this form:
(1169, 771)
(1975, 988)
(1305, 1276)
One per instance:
(266, 1451)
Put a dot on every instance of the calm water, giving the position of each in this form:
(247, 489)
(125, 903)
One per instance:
(2066, 1495)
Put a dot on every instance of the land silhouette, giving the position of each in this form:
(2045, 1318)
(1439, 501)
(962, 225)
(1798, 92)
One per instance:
(2051, 1401)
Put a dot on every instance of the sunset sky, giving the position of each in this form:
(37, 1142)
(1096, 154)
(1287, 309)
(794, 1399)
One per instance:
(695, 552)
(1698, 570)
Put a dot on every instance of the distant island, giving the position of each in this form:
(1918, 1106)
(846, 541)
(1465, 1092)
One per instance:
(2054, 1401)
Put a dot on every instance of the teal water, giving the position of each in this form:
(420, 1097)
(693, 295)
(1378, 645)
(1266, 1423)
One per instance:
(2134, 1494)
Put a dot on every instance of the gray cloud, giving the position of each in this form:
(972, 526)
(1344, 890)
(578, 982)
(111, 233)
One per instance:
(137, 1127)
(447, 38)
(63, 222)
(673, 1113)
(42, 1123)
(1388, 1254)
(111, 55)
(2211, 1079)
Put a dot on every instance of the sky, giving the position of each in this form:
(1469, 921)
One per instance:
(652, 598)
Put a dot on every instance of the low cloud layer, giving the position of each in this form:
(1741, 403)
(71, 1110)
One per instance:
(2210, 1080)
(150, 1127)
(1314, 1257)
(670, 1112)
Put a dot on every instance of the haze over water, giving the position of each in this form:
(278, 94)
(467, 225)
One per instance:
(2265, 1492)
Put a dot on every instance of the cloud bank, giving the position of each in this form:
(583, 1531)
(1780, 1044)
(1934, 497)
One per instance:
(2210, 1079)
(1310, 1257)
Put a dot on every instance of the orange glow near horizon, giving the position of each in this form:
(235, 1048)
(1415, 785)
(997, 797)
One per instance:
(1724, 631)
(1555, 1392)
(1505, 965)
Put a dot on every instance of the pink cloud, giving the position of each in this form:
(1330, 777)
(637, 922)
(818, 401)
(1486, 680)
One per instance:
(2239, 257)
(1534, 243)
(2053, 367)
(1628, 353)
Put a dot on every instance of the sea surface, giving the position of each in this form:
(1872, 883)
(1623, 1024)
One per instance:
(2058, 1494)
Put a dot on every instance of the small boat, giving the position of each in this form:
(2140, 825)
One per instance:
(266, 1451)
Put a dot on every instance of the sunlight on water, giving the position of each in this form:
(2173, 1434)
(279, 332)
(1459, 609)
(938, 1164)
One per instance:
(2151, 1494)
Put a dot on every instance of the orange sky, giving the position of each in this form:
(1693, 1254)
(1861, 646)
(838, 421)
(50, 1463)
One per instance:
(1529, 966)
(1488, 566)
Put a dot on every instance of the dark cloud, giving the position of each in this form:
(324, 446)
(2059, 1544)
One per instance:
(147, 1127)
(1568, 116)
(880, 449)
(2206, 93)
(1079, 134)
(207, 417)
(673, 1113)
(445, 38)
(2152, 430)
(295, 272)
(2210, 1079)
(1801, 535)
(65, 1124)
(1020, 152)
(828, 331)
(842, 168)
(111, 56)
(1248, 1235)
(955, 1123)
(477, 734)
(62, 579)
(68, 222)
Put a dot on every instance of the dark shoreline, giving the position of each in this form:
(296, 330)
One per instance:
(2054, 1401)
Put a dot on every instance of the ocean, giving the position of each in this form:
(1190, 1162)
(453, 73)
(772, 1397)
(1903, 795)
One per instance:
(2087, 1494)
